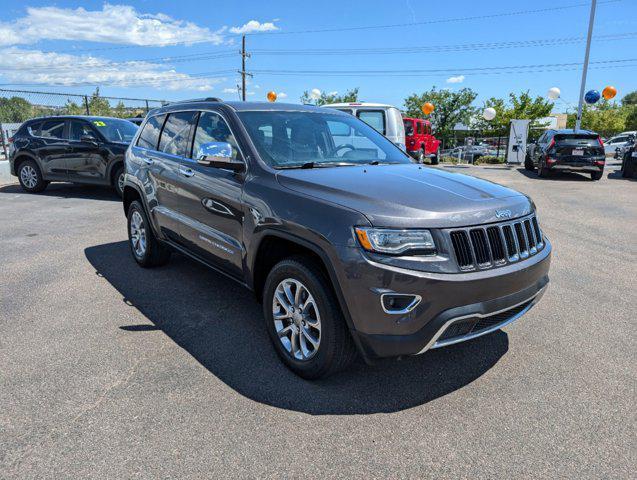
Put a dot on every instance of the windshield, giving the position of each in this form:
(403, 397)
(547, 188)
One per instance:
(293, 139)
(116, 130)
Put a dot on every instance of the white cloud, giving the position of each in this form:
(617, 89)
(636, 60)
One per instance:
(315, 94)
(34, 66)
(282, 95)
(254, 26)
(458, 79)
(119, 24)
(230, 90)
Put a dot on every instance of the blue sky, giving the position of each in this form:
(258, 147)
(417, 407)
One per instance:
(150, 49)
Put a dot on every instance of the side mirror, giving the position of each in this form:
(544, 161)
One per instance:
(218, 155)
(88, 139)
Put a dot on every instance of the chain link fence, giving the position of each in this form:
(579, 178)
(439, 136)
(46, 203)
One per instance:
(17, 106)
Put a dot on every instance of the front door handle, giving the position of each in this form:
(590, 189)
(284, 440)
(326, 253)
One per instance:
(186, 172)
(147, 161)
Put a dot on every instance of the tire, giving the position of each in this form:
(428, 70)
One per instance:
(332, 348)
(542, 171)
(118, 181)
(528, 163)
(30, 177)
(596, 175)
(434, 159)
(147, 251)
(628, 167)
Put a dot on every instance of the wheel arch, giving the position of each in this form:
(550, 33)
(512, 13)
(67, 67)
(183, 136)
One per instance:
(274, 246)
(21, 157)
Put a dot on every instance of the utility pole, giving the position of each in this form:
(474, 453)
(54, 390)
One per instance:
(591, 21)
(243, 72)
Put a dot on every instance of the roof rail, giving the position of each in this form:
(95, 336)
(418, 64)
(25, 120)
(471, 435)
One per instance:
(194, 100)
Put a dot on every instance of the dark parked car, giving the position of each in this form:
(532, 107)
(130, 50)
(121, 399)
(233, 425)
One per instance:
(349, 248)
(136, 120)
(79, 149)
(629, 161)
(567, 150)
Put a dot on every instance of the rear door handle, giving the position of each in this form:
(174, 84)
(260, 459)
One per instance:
(148, 161)
(185, 171)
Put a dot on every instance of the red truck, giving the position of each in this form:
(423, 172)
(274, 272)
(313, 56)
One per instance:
(420, 142)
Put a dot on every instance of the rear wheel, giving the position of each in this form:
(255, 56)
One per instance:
(30, 177)
(596, 175)
(628, 167)
(146, 249)
(118, 180)
(304, 319)
(434, 159)
(543, 171)
(528, 163)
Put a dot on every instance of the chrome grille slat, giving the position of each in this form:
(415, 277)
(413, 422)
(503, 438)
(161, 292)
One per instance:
(493, 245)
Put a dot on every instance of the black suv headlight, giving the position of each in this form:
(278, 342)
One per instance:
(395, 242)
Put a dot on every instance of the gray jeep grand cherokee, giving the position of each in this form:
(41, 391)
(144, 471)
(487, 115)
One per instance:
(348, 244)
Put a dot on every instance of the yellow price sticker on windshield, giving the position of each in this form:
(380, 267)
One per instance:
(99, 123)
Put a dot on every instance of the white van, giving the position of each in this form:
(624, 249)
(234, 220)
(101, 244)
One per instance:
(386, 119)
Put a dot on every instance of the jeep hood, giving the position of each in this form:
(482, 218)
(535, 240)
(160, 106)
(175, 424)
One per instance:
(409, 195)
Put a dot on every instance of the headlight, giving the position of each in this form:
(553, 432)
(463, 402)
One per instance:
(382, 240)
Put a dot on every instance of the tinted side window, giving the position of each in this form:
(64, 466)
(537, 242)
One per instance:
(213, 128)
(373, 118)
(149, 136)
(409, 128)
(34, 128)
(175, 137)
(52, 129)
(78, 129)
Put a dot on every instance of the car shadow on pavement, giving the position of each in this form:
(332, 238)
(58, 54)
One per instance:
(221, 325)
(617, 175)
(68, 190)
(560, 176)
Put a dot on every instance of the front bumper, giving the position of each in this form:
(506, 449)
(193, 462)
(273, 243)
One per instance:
(480, 302)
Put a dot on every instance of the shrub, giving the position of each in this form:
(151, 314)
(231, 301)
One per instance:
(490, 160)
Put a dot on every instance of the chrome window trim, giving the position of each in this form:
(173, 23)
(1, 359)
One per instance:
(433, 343)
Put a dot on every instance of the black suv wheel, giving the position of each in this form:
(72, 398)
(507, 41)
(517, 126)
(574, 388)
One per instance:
(146, 249)
(118, 180)
(304, 320)
(528, 163)
(30, 177)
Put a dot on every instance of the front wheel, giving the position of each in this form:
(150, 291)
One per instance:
(30, 177)
(304, 319)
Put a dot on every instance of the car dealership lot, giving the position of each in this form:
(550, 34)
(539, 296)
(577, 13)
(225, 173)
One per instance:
(109, 370)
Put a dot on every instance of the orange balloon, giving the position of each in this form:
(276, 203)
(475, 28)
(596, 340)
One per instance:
(427, 108)
(271, 96)
(609, 92)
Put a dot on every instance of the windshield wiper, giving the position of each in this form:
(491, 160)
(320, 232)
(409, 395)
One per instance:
(318, 165)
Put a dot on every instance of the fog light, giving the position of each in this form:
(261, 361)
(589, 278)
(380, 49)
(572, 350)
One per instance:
(399, 303)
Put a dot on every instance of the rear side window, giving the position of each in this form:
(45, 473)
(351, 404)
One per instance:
(52, 129)
(373, 118)
(175, 137)
(34, 128)
(149, 136)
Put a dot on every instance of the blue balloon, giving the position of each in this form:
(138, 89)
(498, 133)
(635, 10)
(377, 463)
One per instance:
(592, 96)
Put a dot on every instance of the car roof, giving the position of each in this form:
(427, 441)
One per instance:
(242, 106)
(359, 104)
(77, 117)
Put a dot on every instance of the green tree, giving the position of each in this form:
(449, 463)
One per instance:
(120, 110)
(450, 108)
(631, 118)
(605, 118)
(327, 98)
(98, 105)
(520, 107)
(72, 108)
(16, 110)
(630, 98)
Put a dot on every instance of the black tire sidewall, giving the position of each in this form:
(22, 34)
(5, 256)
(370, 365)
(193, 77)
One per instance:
(118, 171)
(292, 268)
(137, 207)
(41, 185)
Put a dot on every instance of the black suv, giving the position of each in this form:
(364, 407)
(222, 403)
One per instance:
(350, 246)
(70, 149)
(567, 150)
(629, 161)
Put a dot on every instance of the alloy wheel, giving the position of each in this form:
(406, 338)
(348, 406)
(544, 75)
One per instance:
(297, 320)
(120, 182)
(138, 234)
(29, 176)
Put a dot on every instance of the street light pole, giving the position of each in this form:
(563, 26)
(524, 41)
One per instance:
(591, 21)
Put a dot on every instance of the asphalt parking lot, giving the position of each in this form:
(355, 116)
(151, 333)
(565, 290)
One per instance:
(111, 371)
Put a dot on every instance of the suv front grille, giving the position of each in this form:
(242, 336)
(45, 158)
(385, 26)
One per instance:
(495, 245)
